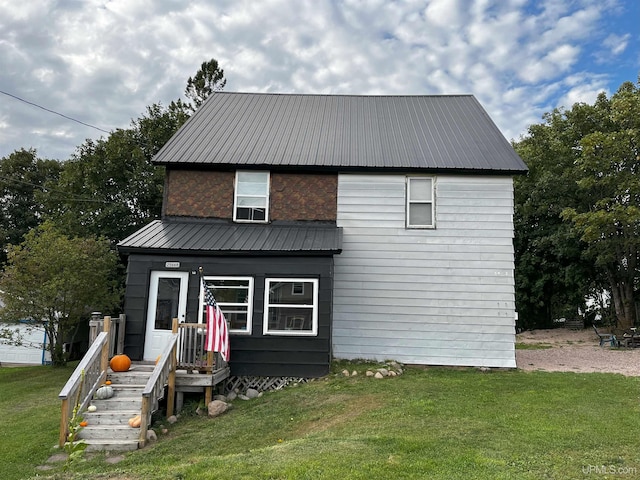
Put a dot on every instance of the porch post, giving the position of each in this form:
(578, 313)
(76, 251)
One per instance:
(208, 391)
(106, 348)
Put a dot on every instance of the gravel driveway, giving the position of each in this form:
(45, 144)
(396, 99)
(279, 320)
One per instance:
(574, 351)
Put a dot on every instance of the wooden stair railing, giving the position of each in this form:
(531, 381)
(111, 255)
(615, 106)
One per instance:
(163, 374)
(186, 342)
(90, 373)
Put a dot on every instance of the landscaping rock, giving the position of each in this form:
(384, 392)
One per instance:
(252, 393)
(354, 373)
(222, 398)
(58, 457)
(232, 396)
(172, 419)
(345, 373)
(216, 408)
(151, 436)
(369, 373)
(112, 460)
(378, 375)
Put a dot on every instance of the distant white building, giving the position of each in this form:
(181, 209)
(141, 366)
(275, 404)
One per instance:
(33, 345)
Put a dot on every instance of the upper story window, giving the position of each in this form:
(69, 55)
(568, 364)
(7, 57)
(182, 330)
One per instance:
(234, 296)
(251, 197)
(420, 203)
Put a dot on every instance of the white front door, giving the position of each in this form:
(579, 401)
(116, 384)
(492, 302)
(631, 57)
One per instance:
(167, 300)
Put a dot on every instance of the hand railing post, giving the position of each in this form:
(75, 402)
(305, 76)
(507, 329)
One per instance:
(64, 423)
(171, 384)
(144, 422)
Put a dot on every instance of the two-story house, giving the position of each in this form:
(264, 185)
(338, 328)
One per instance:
(333, 226)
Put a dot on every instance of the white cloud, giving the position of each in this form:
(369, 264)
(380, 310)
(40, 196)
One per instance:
(103, 62)
(581, 88)
(617, 43)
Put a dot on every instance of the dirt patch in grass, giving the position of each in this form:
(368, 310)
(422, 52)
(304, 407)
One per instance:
(355, 407)
(574, 351)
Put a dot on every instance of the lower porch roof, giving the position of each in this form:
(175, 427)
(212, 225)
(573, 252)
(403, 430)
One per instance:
(220, 237)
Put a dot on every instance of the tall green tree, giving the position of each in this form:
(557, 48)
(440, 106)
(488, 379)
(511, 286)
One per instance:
(58, 280)
(577, 212)
(209, 79)
(608, 177)
(153, 129)
(22, 179)
(552, 274)
(110, 187)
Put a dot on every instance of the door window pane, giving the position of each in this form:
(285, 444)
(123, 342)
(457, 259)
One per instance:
(167, 302)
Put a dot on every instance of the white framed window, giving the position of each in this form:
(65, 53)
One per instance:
(234, 296)
(289, 313)
(251, 197)
(420, 202)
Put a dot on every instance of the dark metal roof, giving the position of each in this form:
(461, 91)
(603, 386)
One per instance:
(433, 132)
(212, 237)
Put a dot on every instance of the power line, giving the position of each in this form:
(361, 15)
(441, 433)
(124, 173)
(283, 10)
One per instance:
(72, 197)
(69, 196)
(53, 111)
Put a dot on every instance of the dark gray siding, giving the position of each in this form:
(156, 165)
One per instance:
(253, 354)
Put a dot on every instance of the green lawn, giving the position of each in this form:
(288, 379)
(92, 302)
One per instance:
(428, 423)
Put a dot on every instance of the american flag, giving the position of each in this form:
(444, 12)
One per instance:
(217, 334)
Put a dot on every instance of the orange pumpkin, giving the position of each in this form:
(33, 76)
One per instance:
(84, 423)
(120, 363)
(108, 382)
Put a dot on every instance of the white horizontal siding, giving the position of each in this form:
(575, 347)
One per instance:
(442, 296)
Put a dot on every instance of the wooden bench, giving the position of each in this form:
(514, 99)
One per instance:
(577, 324)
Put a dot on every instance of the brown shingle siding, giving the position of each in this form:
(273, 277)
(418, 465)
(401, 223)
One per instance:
(194, 193)
(209, 194)
(296, 196)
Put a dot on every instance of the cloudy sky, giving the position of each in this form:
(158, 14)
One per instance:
(101, 62)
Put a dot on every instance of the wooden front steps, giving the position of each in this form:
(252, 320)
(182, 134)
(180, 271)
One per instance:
(108, 427)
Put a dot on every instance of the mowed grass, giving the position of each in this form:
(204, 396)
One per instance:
(434, 423)
(29, 417)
